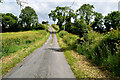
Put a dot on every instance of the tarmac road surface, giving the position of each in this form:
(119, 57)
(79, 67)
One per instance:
(47, 61)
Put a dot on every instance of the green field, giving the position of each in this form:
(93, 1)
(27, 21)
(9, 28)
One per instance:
(17, 45)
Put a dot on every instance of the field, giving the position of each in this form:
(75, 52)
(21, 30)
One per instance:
(17, 45)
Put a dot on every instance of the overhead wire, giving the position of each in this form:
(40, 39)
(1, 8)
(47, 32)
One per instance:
(72, 3)
(57, 3)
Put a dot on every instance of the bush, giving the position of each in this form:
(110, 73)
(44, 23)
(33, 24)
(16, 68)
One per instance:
(70, 39)
(81, 28)
(63, 33)
(113, 64)
(41, 27)
(104, 50)
(112, 40)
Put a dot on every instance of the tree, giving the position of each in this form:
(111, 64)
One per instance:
(28, 18)
(112, 20)
(97, 24)
(45, 22)
(81, 28)
(61, 14)
(9, 22)
(53, 16)
(85, 12)
(70, 14)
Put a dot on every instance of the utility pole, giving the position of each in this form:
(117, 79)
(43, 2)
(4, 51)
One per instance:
(119, 6)
(68, 8)
(20, 3)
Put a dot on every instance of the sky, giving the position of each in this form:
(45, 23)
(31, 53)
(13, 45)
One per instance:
(43, 7)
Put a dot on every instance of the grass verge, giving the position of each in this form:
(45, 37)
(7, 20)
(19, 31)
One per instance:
(52, 37)
(80, 65)
(11, 60)
(55, 27)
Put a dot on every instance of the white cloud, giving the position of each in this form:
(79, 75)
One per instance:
(10, 7)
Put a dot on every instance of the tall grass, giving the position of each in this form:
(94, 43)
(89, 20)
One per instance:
(12, 42)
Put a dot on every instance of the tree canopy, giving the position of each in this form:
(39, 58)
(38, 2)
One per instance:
(83, 16)
(28, 17)
(85, 12)
(112, 20)
(62, 14)
(9, 22)
(97, 24)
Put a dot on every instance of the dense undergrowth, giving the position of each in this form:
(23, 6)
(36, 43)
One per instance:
(102, 49)
(81, 66)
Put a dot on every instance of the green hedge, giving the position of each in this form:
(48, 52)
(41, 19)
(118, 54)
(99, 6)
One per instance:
(68, 38)
(41, 27)
(63, 33)
(102, 49)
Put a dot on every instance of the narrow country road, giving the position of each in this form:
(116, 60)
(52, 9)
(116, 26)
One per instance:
(47, 61)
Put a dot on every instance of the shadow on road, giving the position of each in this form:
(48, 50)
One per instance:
(56, 49)
(53, 32)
